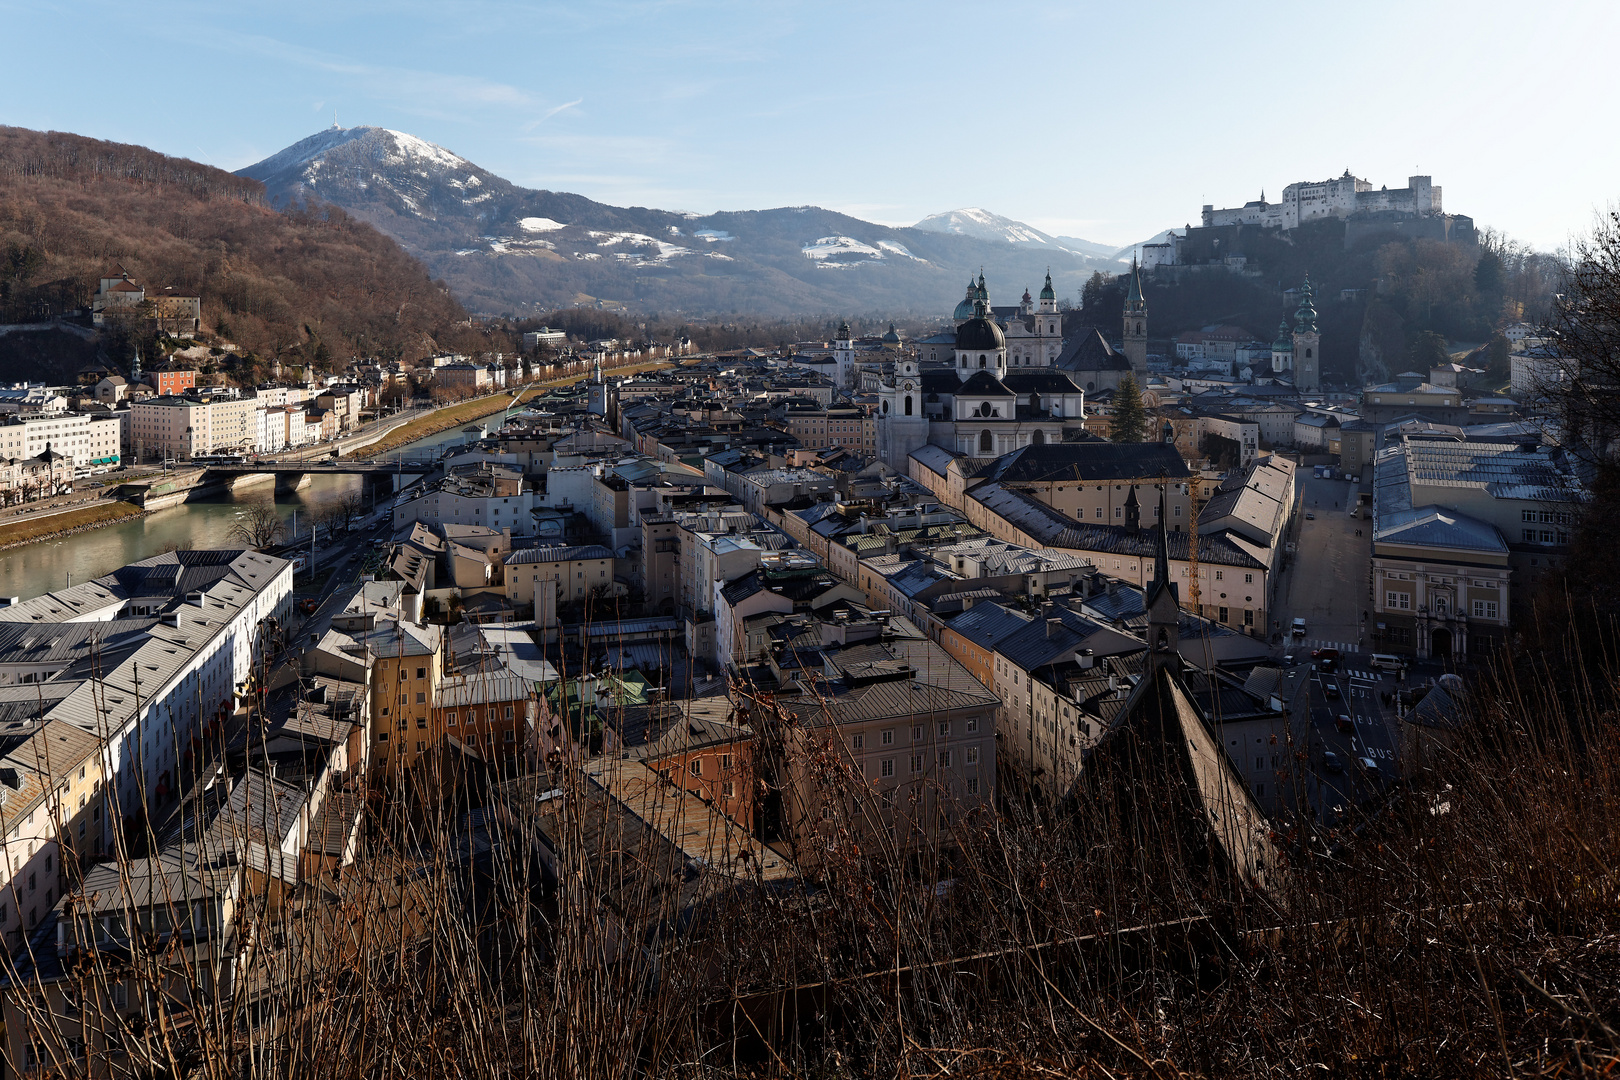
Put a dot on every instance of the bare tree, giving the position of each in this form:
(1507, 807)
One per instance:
(258, 526)
(1586, 386)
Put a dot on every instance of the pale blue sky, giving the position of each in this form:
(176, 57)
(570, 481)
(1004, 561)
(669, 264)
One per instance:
(1104, 121)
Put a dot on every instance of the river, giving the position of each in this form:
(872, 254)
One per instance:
(38, 568)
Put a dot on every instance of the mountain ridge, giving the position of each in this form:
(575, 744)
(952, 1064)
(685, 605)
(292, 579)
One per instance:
(507, 249)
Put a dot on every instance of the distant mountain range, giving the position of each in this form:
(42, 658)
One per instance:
(984, 225)
(506, 249)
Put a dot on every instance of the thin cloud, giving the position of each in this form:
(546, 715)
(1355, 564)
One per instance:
(553, 111)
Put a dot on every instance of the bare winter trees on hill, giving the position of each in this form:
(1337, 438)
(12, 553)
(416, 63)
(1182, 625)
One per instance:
(269, 281)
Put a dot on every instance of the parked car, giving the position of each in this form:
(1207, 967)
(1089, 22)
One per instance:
(1309, 516)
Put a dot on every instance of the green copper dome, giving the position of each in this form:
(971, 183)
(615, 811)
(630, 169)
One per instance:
(1285, 339)
(1046, 291)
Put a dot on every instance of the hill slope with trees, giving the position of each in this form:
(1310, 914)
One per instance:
(300, 284)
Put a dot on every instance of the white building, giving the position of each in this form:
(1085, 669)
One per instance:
(186, 427)
(31, 398)
(82, 440)
(1340, 197)
(199, 621)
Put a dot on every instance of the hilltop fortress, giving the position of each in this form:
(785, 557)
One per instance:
(1369, 215)
(1340, 197)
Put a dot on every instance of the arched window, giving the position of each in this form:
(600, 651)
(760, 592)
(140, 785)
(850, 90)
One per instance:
(964, 360)
(1138, 328)
(885, 406)
(908, 404)
(1038, 438)
(1307, 354)
(987, 441)
(981, 360)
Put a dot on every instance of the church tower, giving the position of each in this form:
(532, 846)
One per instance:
(1307, 343)
(844, 357)
(1163, 601)
(1048, 326)
(1135, 336)
(902, 425)
(1282, 350)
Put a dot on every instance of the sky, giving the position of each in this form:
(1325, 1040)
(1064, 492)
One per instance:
(1108, 122)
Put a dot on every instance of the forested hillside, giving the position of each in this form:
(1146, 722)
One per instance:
(1380, 305)
(295, 284)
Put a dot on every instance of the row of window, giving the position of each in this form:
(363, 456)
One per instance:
(946, 757)
(942, 729)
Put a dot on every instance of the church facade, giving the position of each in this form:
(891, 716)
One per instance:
(995, 389)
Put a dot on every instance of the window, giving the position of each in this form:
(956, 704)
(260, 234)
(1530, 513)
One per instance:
(420, 746)
(421, 673)
(404, 699)
(1527, 516)
(857, 742)
(728, 790)
(421, 723)
(402, 674)
(973, 785)
(972, 724)
(511, 736)
(916, 733)
(888, 737)
(973, 755)
(1484, 609)
(725, 762)
(1248, 579)
(1099, 512)
(944, 759)
(886, 768)
(695, 766)
(916, 763)
(450, 719)
(944, 728)
(1248, 617)
(421, 698)
(382, 736)
(1398, 600)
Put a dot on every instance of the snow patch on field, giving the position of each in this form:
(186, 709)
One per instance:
(540, 224)
(898, 249)
(714, 236)
(839, 247)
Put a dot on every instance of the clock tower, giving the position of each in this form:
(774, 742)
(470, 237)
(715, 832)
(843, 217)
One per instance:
(902, 425)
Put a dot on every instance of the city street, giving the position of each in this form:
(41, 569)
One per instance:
(1327, 585)
(1353, 726)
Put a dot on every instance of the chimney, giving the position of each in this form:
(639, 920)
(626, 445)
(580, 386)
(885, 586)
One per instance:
(1054, 626)
(1084, 656)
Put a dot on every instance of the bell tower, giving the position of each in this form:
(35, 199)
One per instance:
(1135, 335)
(844, 357)
(1307, 343)
(902, 425)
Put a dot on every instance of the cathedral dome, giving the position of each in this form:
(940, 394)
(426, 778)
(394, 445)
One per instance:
(963, 311)
(979, 334)
(1047, 292)
(892, 337)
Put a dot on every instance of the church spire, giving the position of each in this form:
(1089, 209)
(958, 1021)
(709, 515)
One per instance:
(1134, 303)
(1163, 599)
